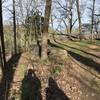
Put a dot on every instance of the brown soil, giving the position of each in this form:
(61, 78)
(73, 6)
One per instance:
(93, 46)
(70, 83)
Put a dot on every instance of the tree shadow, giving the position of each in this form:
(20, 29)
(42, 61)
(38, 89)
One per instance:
(95, 49)
(31, 87)
(72, 47)
(56, 45)
(75, 49)
(53, 92)
(7, 78)
(81, 51)
(86, 61)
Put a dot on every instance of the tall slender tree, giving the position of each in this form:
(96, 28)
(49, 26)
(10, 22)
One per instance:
(70, 4)
(14, 27)
(70, 21)
(2, 37)
(1, 62)
(79, 16)
(45, 29)
(92, 19)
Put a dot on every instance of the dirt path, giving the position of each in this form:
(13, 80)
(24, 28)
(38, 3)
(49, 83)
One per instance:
(68, 85)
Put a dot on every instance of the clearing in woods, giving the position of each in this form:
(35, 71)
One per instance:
(76, 77)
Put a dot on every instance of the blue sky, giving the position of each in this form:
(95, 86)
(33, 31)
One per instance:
(85, 17)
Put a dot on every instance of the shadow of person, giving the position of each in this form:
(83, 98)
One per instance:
(31, 87)
(53, 92)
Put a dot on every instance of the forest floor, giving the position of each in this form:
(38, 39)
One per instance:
(73, 74)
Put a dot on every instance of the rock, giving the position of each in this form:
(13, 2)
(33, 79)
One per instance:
(62, 53)
(57, 52)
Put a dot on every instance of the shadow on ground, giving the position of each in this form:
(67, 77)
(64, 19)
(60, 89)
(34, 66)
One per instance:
(84, 60)
(53, 92)
(86, 52)
(7, 78)
(82, 51)
(31, 87)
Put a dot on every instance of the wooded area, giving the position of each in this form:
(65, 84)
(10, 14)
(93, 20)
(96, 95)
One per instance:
(49, 50)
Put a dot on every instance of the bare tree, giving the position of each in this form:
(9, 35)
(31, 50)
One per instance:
(1, 62)
(92, 19)
(14, 27)
(2, 37)
(69, 20)
(70, 5)
(45, 29)
(96, 23)
(79, 16)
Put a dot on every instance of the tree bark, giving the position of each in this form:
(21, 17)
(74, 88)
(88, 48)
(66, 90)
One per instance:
(1, 61)
(14, 27)
(70, 16)
(2, 37)
(92, 19)
(79, 17)
(45, 29)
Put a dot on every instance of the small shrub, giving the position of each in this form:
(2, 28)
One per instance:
(57, 69)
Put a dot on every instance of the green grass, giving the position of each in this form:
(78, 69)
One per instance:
(93, 42)
(57, 69)
(22, 71)
(82, 47)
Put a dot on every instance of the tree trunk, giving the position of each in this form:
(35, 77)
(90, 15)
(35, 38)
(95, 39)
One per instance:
(1, 61)
(70, 16)
(2, 37)
(92, 19)
(45, 29)
(14, 27)
(79, 17)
